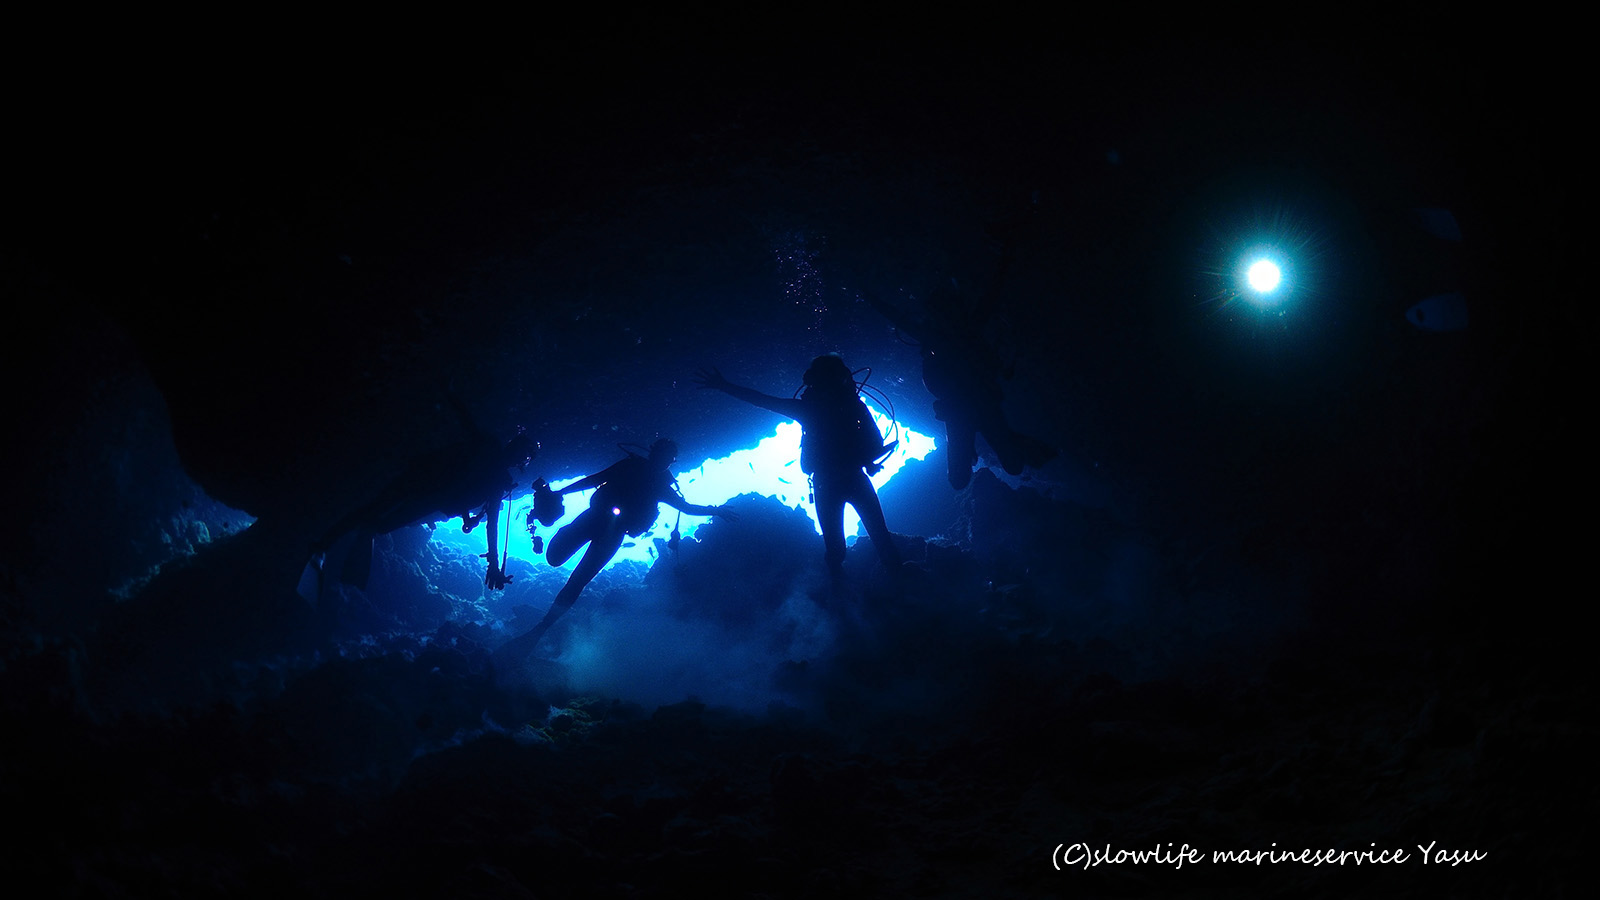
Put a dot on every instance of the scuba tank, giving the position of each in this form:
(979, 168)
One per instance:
(548, 507)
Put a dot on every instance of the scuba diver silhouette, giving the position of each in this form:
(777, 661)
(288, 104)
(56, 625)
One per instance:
(839, 446)
(468, 479)
(626, 502)
(962, 372)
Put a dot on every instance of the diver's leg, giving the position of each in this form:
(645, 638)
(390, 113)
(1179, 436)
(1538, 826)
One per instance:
(868, 507)
(830, 516)
(578, 532)
(601, 549)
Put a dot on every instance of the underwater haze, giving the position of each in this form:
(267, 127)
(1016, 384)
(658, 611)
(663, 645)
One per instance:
(1244, 567)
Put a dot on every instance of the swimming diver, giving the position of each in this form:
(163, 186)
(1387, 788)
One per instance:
(626, 502)
(963, 373)
(839, 444)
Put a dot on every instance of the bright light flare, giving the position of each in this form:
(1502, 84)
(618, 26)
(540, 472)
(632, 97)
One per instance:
(1264, 276)
(1264, 253)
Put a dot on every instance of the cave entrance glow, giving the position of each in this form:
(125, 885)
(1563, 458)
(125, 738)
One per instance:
(771, 467)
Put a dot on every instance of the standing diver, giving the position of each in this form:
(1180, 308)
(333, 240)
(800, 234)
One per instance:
(839, 443)
(626, 502)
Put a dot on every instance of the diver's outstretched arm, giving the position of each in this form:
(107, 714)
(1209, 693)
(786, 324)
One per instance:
(710, 378)
(678, 503)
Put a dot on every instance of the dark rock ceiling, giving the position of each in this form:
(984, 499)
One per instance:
(310, 256)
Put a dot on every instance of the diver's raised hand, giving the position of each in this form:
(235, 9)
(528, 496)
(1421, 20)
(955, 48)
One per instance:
(496, 580)
(710, 377)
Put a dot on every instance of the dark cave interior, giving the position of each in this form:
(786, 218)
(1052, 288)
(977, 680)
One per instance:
(1288, 583)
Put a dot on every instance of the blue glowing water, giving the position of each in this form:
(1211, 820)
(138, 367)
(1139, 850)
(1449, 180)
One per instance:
(772, 468)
